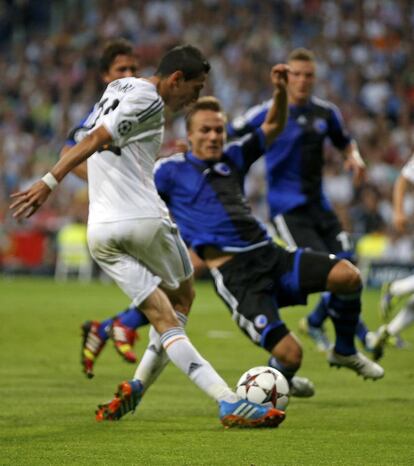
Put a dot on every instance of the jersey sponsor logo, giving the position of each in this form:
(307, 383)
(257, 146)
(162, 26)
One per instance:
(320, 125)
(222, 169)
(124, 127)
(260, 321)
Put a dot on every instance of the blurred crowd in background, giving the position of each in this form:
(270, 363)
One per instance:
(50, 79)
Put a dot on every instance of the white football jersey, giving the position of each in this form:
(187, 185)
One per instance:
(408, 170)
(120, 176)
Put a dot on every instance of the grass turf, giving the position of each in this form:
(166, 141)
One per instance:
(47, 405)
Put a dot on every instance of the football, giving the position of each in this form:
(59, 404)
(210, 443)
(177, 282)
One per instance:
(264, 385)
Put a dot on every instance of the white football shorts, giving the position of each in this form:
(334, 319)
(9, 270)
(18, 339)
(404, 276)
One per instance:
(140, 255)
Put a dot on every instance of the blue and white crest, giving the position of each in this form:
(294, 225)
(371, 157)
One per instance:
(222, 169)
(320, 125)
(260, 321)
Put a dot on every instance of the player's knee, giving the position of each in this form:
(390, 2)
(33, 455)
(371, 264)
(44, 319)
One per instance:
(344, 278)
(183, 300)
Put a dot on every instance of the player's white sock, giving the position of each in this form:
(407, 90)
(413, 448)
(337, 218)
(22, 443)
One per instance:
(155, 358)
(403, 286)
(402, 320)
(183, 354)
(152, 362)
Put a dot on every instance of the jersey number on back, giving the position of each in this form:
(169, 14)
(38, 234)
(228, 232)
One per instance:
(102, 109)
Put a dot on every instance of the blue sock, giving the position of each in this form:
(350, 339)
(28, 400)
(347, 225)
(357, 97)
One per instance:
(344, 311)
(131, 317)
(318, 316)
(288, 372)
(361, 331)
(104, 328)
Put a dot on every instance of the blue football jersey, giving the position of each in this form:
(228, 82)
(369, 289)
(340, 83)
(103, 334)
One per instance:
(206, 198)
(294, 162)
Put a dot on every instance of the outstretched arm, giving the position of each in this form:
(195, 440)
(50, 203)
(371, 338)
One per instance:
(27, 202)
(277, 114)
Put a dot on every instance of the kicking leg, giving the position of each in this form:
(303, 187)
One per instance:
(287, 358)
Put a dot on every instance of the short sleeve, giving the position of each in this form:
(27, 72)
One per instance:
(337, 132)
(133, 116)
(77, 133)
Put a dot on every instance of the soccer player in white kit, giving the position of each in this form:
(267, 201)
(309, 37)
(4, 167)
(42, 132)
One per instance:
(129, 231)
(405, 286)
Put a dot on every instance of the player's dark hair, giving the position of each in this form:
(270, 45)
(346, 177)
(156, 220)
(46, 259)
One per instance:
(203, 103)
(301, 54)
(111, 50)
(185, 58)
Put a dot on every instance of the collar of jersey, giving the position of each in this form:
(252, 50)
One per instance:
(201, 163)
(300, 108)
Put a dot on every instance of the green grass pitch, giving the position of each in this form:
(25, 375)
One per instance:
(47, 405)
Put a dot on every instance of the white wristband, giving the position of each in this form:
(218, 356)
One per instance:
(50, 181)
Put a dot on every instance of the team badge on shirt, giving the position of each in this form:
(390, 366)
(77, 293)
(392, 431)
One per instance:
(222, 169)
(260, 321)
(124, 127)
(320, 125)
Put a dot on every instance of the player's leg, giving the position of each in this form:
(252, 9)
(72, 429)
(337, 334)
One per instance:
(247, 285)
(402, 320)
(120, 328)
(390, 333)
(343, 280)
(297, 230)
(338, 242)
(132, 268)
(176, 268)
(392, 293)
(155, 358)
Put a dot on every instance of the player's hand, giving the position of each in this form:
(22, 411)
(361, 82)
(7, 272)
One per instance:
(279, 75)
(27, 202)
(358, 169)
(400, 222)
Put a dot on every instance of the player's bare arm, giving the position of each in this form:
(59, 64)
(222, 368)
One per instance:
(355, 163)
(27, 202)
(277, 115)
(399, 217)
(81, 171)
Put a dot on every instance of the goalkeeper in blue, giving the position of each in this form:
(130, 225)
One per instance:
(203, 189)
